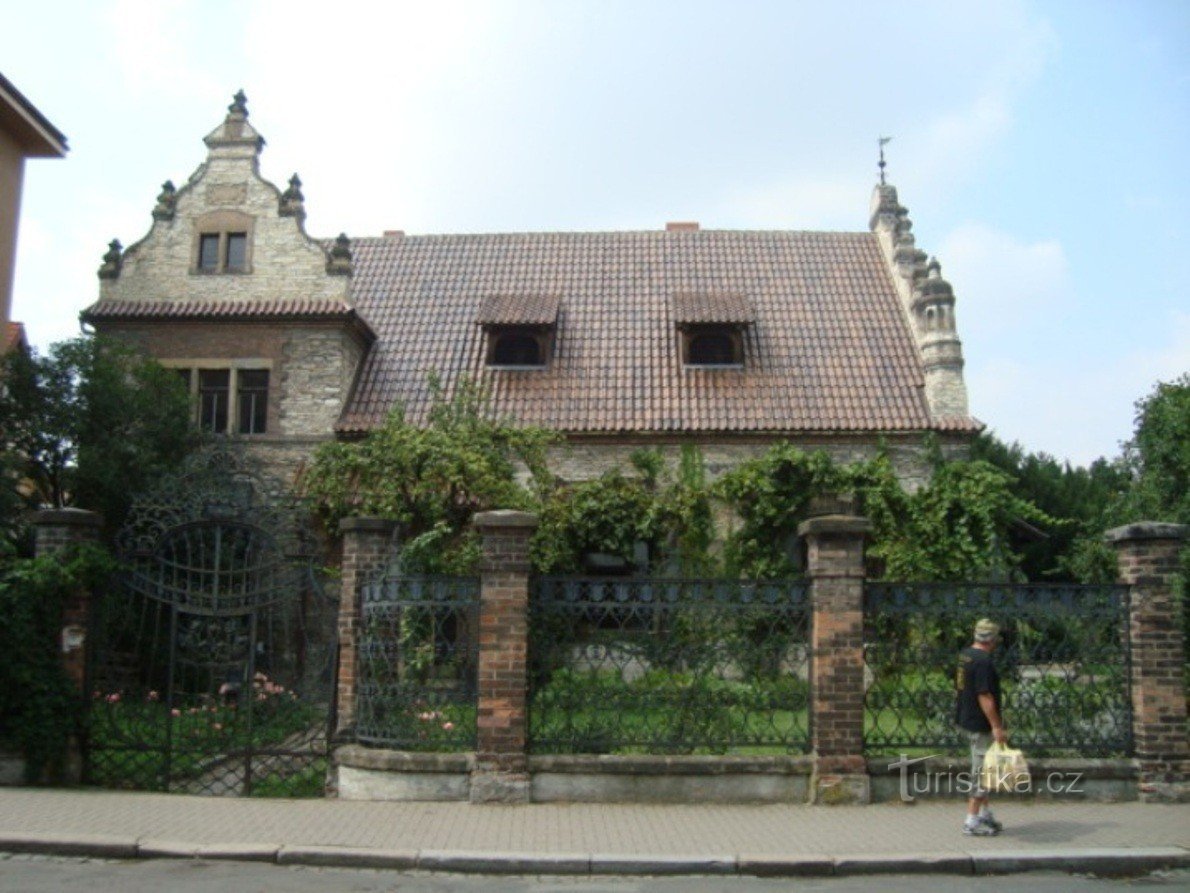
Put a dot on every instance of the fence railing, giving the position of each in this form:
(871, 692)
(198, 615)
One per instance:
(668, 666)
(1063, 661)
(418, 647)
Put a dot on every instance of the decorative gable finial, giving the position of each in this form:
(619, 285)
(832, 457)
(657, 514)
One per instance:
(884, 141)
(113, 260)
(292, 200)
(167, 202)
(239, 104)
(339, 263)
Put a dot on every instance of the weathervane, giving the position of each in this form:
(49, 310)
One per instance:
(884, 140)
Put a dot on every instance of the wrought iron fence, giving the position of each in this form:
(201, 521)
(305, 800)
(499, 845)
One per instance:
(1063, 662)
(668, 666)
(418, 648)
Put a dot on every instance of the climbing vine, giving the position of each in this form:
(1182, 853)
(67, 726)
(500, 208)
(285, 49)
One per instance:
(39, 705)
(432, 479)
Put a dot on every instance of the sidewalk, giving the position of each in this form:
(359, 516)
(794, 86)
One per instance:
(597, 838)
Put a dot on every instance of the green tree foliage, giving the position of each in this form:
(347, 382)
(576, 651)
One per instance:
(87, 425)
(1077, 498)
(1159, 454)
(433, 478)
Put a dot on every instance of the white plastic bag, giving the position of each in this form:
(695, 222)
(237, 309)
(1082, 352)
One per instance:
(1005, 770)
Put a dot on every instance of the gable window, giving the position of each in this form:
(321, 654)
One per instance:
(223, 252)
(208, 252)
(222, 243)
(237, 252)
(228, 399)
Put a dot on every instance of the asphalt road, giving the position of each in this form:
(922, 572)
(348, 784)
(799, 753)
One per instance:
(41, 874)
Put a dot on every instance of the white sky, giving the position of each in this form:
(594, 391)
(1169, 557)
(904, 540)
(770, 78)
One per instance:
(1040, 148)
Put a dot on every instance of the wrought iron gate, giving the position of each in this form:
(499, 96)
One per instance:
(213, 654)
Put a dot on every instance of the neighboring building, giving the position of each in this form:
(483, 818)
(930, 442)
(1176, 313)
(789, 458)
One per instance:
(24, 133)
(728, 339)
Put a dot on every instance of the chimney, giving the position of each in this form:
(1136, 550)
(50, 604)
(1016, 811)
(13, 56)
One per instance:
(686, 226)
(394, 234)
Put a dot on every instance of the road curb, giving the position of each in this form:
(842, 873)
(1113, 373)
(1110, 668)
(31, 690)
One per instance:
(1097, 860)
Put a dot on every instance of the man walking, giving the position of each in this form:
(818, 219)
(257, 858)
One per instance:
(977, 711)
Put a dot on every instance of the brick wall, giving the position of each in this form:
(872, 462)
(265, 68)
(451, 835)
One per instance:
(367, 546)
(835, 559)
(1148, 555)
(501, 769)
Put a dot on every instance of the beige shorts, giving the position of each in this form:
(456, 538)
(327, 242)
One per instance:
(980, 742)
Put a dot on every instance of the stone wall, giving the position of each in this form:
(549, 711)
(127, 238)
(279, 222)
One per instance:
(582, 459)
(284, 263)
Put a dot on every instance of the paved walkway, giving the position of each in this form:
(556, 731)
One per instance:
(596, 838)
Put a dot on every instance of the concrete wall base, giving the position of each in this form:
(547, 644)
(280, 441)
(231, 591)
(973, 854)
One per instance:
(499, 787)
(835, 789)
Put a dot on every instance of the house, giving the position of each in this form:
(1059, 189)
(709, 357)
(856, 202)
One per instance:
(727, 339)
(24, 133)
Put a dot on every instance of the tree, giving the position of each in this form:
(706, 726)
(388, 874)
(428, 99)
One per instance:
(87, 425)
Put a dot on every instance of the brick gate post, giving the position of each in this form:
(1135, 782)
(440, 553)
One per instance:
(501, 765)
(367, 544)
(53, 531)
(835, 558)
(1147, 553)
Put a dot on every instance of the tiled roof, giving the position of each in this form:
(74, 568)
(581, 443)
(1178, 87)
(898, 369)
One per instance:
(518, 310)
(730, 308)
(828, 349)
(226, 311)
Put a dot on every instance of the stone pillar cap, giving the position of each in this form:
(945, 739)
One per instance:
(505, 518)
(1146, 530)
(67, 517)
(358, 522)
(835, 524)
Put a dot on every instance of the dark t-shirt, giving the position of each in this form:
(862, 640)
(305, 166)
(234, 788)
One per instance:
(975, 675)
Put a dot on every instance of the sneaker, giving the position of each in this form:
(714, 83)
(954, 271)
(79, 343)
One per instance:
(978, 829)
(990, 820)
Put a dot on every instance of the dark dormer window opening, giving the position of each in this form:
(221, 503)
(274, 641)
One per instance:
(516, 349)
(714, 348)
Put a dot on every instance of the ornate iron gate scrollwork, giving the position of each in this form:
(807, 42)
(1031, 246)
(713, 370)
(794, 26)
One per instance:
(213, 654)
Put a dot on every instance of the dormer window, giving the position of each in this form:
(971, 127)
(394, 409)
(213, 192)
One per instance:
(711, 327)
(713, 346)
(515, 348)
(223, 243)
(519, 330)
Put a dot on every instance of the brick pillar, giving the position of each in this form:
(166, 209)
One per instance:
(367, 546)
(501, 767)
(1147, 553)
(835, 557)
(55, 530)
